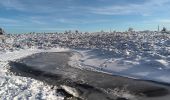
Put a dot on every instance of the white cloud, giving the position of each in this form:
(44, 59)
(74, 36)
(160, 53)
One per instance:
(7, 20)
(144, 8)
(163, 21)
(55, 29)
(28, 6)
(12, 4)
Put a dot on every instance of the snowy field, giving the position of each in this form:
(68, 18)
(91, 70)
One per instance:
(17, 87)
(152, 62)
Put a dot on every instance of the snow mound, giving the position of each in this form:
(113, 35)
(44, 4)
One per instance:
(156, 69)
(15, 87)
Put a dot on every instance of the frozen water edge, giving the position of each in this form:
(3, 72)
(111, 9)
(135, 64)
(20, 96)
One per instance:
(141, 68)
(16, 87)
(26, 52)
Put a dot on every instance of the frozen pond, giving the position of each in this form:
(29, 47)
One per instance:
(53, 69)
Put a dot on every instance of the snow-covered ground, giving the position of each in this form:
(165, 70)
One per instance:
(136, 55)
(23, 88)
(138, 68)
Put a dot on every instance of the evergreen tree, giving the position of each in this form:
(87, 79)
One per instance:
(164, 29)
(1, 31)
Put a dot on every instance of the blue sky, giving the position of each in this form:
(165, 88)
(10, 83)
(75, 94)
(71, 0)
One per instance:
(17, 16)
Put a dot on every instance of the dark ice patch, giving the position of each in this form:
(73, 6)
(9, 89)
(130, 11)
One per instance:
(53, 69)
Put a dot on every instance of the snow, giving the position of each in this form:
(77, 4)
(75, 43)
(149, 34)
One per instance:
(155, 69)
(16, 87)
(135, 55)
(8, 56)
(71, 90)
